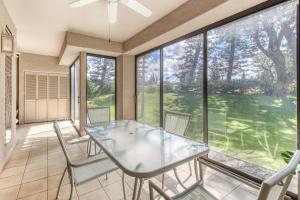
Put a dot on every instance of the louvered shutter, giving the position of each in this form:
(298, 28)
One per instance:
(53, 87)
(64, 87)
(42, 86)
(30, 90)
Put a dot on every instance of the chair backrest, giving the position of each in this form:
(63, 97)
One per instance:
(176, 122)
(275, 187)
(99, 114)
(62, 142)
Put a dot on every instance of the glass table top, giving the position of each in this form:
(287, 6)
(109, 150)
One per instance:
(141, 150)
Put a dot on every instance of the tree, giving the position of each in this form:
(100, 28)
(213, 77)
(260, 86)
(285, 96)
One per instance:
(275, 37)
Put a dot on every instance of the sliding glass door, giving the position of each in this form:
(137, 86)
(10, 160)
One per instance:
(75, 96)
(101, 82)
(238, 80)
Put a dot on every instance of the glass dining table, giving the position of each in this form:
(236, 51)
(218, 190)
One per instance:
(143, 151)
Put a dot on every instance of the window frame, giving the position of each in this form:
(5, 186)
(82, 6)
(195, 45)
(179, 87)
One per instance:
(116, 65)
(204, 31)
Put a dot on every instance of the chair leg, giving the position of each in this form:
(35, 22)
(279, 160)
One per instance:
(60, 182)
(123, 185)
(190, 167)
(95, 149)
(89, 147)
(163, 182)
(72, 184)
(178, 179)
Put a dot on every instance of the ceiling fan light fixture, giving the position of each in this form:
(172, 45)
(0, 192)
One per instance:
(138, 7)
(80, 3)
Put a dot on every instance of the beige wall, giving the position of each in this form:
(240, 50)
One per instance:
(35, 63)
(126, 87)
(6, 149)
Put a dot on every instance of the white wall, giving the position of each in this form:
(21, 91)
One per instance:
(6, 149)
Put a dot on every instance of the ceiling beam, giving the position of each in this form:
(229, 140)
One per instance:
(179, 16)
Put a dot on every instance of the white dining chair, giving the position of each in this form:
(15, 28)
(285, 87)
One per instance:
(94, 116)
(84, 170)
(176, 123)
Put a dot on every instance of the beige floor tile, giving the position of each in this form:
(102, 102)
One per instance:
(20, 155)
(56, 170)
(249, 189)
(53, 181)
(35, 166)
(57, 161)
(39, 196)
(12, 171)
(16, 163)
(97, 194)
(240, 192)
(34, 175)
(111, 191)
(88, 187)
(112, 177)
(63, 194)
(10, 181)
(34, 187)
(10, 193)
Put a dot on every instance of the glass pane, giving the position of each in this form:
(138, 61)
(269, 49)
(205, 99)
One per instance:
(72, 93)
(183, 81)
(77, 93)
(101, 83)
(148, 88)
(252, 90)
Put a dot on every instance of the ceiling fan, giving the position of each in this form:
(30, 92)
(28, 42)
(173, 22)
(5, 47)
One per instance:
(113, 7)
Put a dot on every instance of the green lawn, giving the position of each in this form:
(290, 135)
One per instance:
(252, 128)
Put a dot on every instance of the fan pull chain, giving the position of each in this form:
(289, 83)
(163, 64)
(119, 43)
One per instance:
(109, 2)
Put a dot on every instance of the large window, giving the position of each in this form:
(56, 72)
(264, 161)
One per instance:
(252, 87)
(148, 88)
(182, 81)
(245, 73)
(101, 85)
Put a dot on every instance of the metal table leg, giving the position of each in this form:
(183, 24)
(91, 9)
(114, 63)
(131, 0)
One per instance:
(123, 184)
(134, 188)
(137, 191)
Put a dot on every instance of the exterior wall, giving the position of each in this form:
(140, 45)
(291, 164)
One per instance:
(6, 149)
(36, 63)
(126, 87)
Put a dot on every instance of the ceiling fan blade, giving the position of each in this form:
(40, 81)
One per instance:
(80, 3)
(113, 11)
(137, 7)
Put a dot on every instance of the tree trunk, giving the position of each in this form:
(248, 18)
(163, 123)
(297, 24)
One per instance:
(231, 58)
(274, 53)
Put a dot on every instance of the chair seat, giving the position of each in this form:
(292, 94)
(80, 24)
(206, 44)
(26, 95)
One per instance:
(197, 192)
(94, 170)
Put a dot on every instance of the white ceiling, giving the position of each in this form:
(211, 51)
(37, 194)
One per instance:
(41, 24)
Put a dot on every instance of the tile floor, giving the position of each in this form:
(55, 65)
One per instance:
(37, 163)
